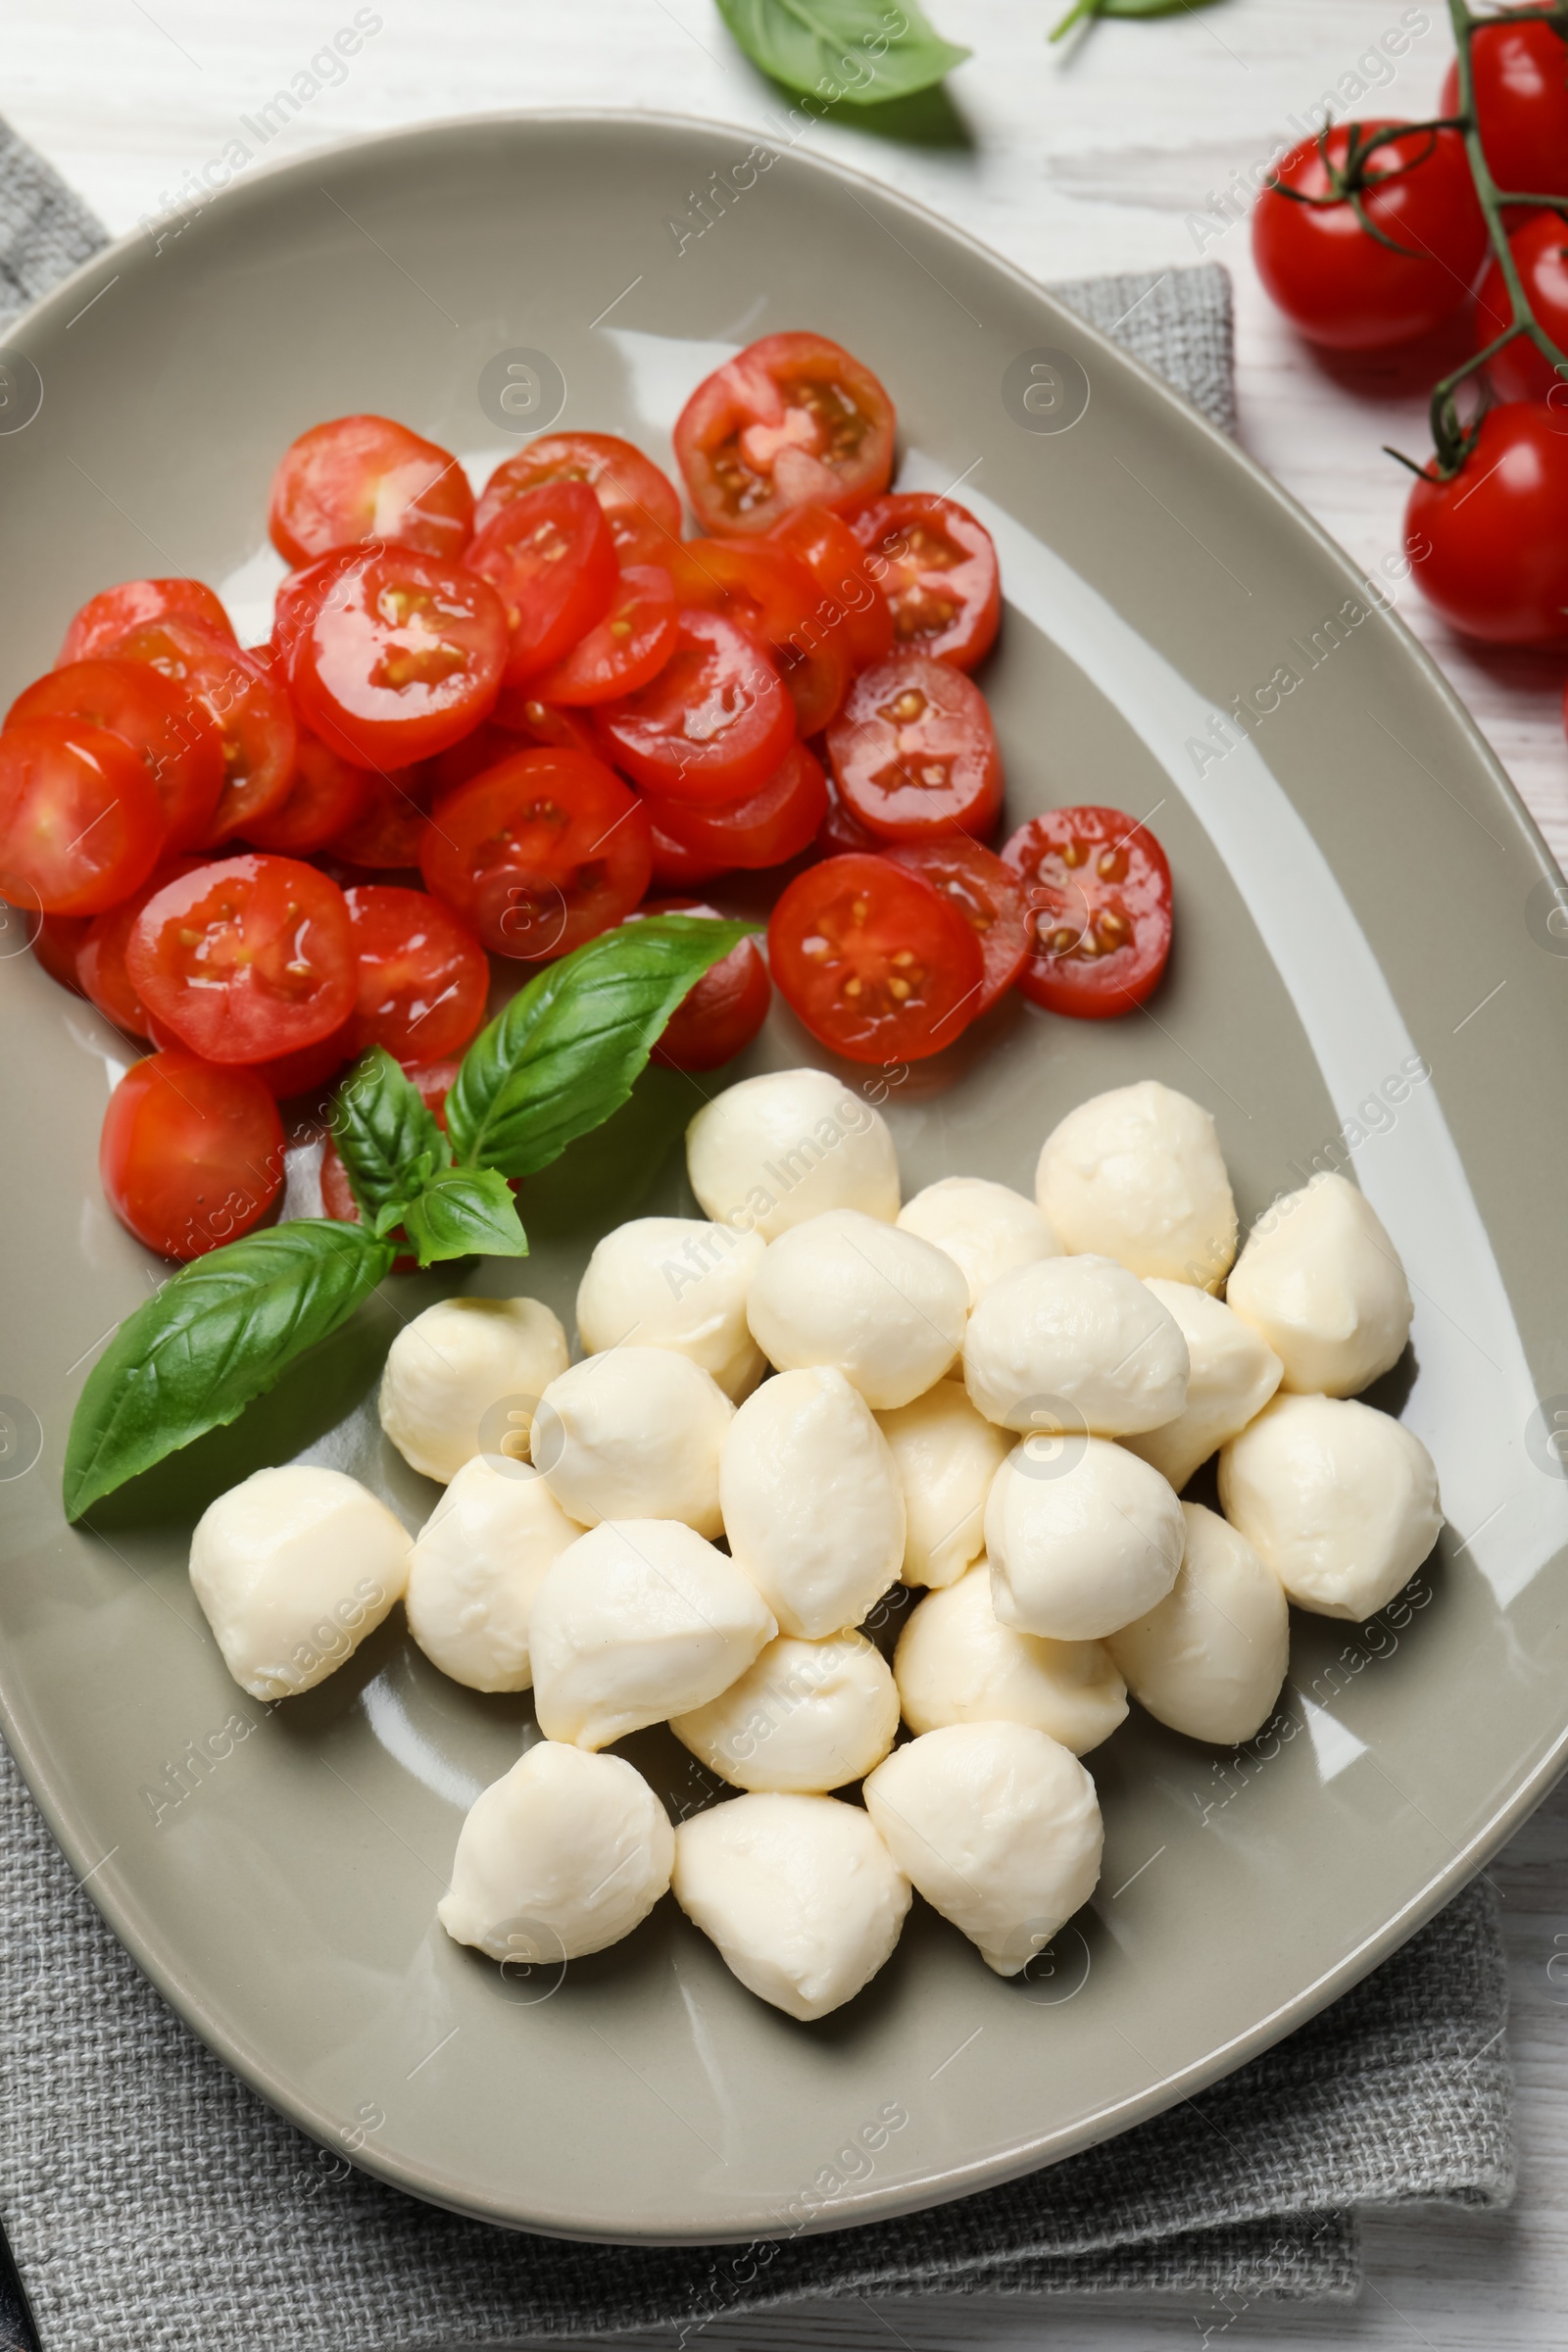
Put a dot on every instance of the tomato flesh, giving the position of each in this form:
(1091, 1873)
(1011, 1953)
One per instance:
(80, 823)
(169, 732)
(771, 593)
(540, 853)
(552, 561)
(327, 796)
(915, 752)
(114, 612)
(1097, 898)
(850, 600)
(423, 978)
(776, 822)
(791, 421)
(722, 1012)
(251, 713)
(876, 963)
(640, 504)
(101, 957)
(714, 725)
(940, 578)
(191, 1156)
(988, 895)
(1520, 78)
(358, 478)
(246, 958)
(1519, 372)
(402, 660)
(1490, 548)
(621, 651)
(520, 708)
(672, 866)
(386, 835)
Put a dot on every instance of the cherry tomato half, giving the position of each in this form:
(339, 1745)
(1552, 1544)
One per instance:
(539, 854)
(722, 1012)
(191, 1156)
(712, 726)
(941, 578)
(988, 895)
(168, 730)
(674, 867)
(791, 421)
(769, 592)
(840, 832)
(520, 708)
(301, 1072)
(776, 822)
(250, 710)
(365, 477)
(1490, 548)
(81, 824)
(110, 616)
(1097, 891)
(1342, 287)
(1520, 78)
(423, 978)
(327, 796)
(56, 944)
(850, 600)
(640, 504)
(1519, 372)
(101, 957)
(386, 836)
(913, 751)
(878, 964)
(403, 661)
(621, 651)
(552, 561)
(246, 958)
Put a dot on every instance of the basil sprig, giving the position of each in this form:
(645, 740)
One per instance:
(554, 1064)
(848, 52)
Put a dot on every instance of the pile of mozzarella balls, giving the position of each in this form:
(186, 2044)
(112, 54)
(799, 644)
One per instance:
(787, 1408)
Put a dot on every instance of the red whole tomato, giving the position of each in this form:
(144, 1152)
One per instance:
(722, 1012)
(674, 867)
(423, 978)
(849, 600)
(986, 893)
(365, 478)
(245, 960)
(712, 726)
(940, 575)
(433, 1082)
(776, 822)
(403, 661)
(639, 503)
(327, 797)
(1490, 548)
(915, 752)
(114, 612)
(520, 709)
(539, 854)
(1097, 891)
(80, 823)
(621, 653)
(1520, 78)
(877, 963)
(789, 421)
(191, 1156)
(251, 711)
(1519, 372)
(1341, 286)
(552, 561)
(171, 733)
(387, 834)
(101, 957)
(56, 944)
(769, 592)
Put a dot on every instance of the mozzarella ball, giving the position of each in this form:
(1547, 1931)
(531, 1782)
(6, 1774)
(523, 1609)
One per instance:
(1080, 1541)
(1210, 1659)
(948, 1455)
(881, 1307)
(480, 1558)
(806, 1717)
(637, 1621)
(634, 1434)
(463, 1378)
(293, 1568)
(1340, 1500)
(999, 1827)
(813, 1503)
(774, 1151)
(986, 1228)
(565, 1855)
(798, 1893)
(1323, 1285)
(1137, 1175)
(1234, 1372)
(676, 1283)
(1075, 1344)
(956, 1662)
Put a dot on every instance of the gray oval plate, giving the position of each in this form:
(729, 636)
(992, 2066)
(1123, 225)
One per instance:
(1370, 973)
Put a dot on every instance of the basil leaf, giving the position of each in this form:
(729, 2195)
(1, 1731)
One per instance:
(565, 1052)
(218, 1333)
(463, 1213)
(389, 1141)
(858, 52)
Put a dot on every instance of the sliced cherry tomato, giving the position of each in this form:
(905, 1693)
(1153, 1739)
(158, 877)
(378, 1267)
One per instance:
(56, 943)
(433, 1082)
(776, 822)
(850, 599)
(621, 651)
(988, 895)
(915, 752)
(1520, 76)
(80, 823)
(1097, 891)
(327, 797)
(308, 1067)
(191, 1156)
(940, 578)
(722, 1012)
(640, 504)
(105, 619)
(386, 836)
(486, 747)
(247, 958)
(1519, 372)
(170, 731)
(769, 592)
(539, 854)
(552, 560)
(101, 957)
(365, 477)
(674, 867)
(840, 832)
(404, 661)
(788, 422)
(423, 977)
(248, 708)
(878, 964)
(520, 708)
(329, 580)
(714, 725)
(1490, 548)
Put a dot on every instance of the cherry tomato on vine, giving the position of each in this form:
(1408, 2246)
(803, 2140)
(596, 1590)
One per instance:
(56, 944)
(552, 561)
(80, 823)
(940, 575)
(1097, 898)
(191, 1156)
(769, 592)
(1490, 548)
(101, 957)
(114, 611)
(168, 730)
(327, 796)
(1519, 372)
(876, 963)
(772, 824)
(915, 752)
(640, 504)
(722, 1012)
(246, 958)
(358, 478)
(1520, 76)
(621, 651)
(423, 977)
(791, 421)
(712, 726)
(1338, 282)
(540, 853)
(251, 711)
(404, 661)
(850, 598)
(986, 893)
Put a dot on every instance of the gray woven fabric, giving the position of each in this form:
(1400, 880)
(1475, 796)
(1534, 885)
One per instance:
(153, 2201)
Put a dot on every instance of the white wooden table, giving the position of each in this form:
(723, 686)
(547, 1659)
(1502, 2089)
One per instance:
(1103, 158)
